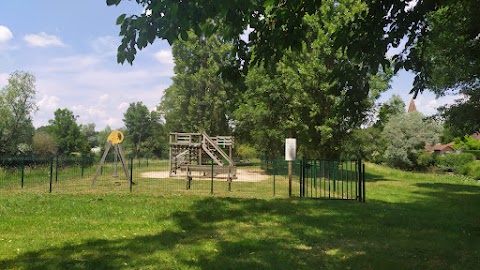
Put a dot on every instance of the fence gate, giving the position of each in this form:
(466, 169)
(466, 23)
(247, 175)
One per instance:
(344, 180)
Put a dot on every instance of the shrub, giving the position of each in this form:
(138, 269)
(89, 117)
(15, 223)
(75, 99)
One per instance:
(246, 152)
(474, 152)
(454, 162)
(425, 160)
(471, 170)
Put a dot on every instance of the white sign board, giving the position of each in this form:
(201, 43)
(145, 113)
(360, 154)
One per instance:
(290, 149)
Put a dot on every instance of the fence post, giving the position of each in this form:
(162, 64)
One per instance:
(273, 170)
(23, 171)
(363, 181)
(82, 164)
(131, 175)
(315, 177)
(188, 179)
(56, 168)
(211, 182)
(51, 174)
(290, 171)
(359, 180)
(301, 177)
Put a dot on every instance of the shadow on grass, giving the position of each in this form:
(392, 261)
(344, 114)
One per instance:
(231, 233)
(371, 177)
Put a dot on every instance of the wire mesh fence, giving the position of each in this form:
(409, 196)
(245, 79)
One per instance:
(154, 177)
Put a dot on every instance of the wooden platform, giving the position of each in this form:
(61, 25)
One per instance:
(205, 171)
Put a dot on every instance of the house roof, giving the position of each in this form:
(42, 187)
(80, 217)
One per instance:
(439, 147)
(476, 135)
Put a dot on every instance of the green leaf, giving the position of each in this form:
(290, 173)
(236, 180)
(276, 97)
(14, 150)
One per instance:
(113, 2)
(268, 3)
(120, 19)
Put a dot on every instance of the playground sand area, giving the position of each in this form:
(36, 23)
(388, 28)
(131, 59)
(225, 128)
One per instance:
(243, 175)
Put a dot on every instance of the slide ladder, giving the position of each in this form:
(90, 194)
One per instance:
(214, 151)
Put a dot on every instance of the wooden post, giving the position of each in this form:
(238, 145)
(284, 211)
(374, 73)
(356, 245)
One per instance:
(290, 169)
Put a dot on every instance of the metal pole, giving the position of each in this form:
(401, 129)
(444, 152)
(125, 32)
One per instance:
(302, 178)
(273, 170)
(211, 182)
(131, 175)
(81, 164)
(23, 171)
(56, 168)
(359, 180)
(363, 181)
(51, 174)
(315, 177)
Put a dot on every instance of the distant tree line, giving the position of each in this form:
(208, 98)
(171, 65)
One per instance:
(63, 136)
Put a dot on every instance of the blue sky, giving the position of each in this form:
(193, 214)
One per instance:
(70, 47)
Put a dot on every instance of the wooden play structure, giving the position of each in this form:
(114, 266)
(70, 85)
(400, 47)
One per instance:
(198, 155)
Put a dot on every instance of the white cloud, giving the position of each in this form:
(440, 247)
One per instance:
(95, 90)
(104, 97)
(49, 103)
(43, 40)
(427, 103)
(114, 122)
(5, 34)
(164, 56)
(123, 106)
(73, 64)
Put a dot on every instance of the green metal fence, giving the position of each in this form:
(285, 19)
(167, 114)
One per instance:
(312, 179)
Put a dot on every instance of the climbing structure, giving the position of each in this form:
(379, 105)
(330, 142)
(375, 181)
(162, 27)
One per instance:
(197, 152)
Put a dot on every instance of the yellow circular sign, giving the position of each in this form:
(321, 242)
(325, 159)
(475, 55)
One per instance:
(115, 137)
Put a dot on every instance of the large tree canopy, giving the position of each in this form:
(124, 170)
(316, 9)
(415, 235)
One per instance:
(278, 25)
(299, 97)
(197, 99)
(451, 49)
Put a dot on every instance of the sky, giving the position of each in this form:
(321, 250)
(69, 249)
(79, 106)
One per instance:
(70, 47)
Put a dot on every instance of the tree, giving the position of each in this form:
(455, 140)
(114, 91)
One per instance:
(90, 135)
(139, 123)
(279, 25)
(102, 135)
(17, 106)
(461, 118)
(299, 99)
(393, 106)
(452, 48)
(405, 136)
(366, 141)
(198, 98)
(44, 144)
(67, 133)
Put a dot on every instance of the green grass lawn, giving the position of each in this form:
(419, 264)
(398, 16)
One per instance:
(410, 221)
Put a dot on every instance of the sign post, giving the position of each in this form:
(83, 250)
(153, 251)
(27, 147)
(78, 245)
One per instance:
(290, 156)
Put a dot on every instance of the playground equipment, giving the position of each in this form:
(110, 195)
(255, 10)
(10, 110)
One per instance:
(114, 139)
(197, 154)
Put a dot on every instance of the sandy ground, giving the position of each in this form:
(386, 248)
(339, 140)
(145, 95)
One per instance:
(243, 175)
